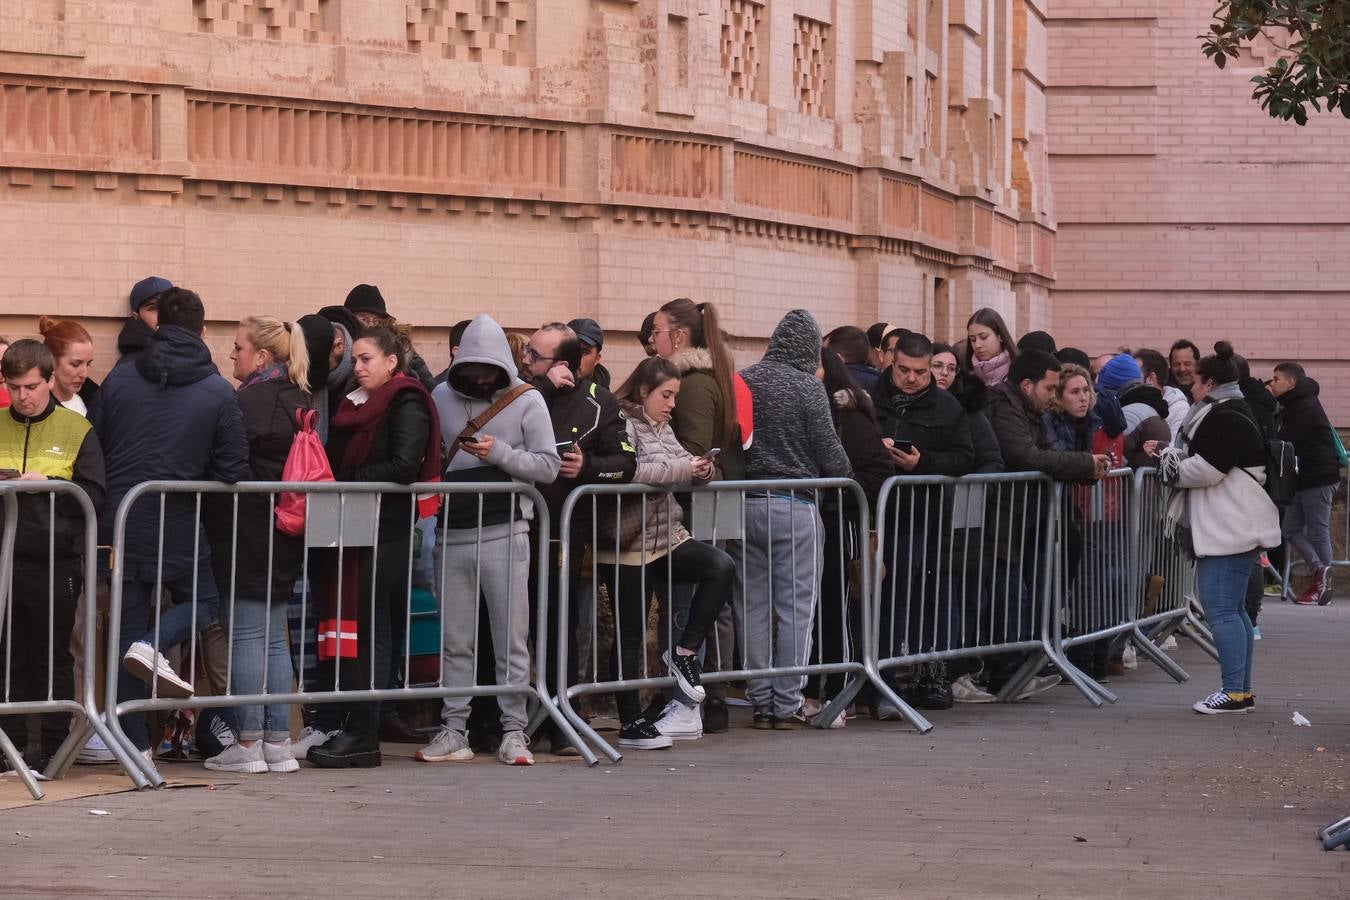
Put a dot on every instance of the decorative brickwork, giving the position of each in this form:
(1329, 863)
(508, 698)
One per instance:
(323, 144)
(742, 22)
(484, 31)
(300, 21)
(684, 169)
(60, 121)
(810, 65)
(781, 184)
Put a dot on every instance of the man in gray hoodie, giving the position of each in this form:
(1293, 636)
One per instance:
(784, 541)
(486, 538)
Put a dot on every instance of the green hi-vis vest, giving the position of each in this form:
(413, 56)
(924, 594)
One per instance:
(49, 446)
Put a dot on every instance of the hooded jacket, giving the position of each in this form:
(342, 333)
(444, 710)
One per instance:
(588, 415)
(169, 415)
(647, 531)
(1304, 423)
(523, 448)
(63, 446)
(1022, 438)
(1177, 407)
(935, 422)
(1145, 420)
(134, 337)
(794, 428)
(698, 413)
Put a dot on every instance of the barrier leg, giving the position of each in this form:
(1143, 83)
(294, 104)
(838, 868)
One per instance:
(1194, 629)
(1337, 834)
(1157, 657)
(64, 757)
(20, 767)
(839, 703)
(909, 713)
(562, 715)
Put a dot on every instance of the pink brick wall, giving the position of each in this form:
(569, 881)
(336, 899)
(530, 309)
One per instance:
(1183, 210)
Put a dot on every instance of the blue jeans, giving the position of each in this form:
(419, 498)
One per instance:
(258, 630)
(1221, 582)
(175, 627)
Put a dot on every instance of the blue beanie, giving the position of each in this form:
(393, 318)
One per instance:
(1118, 372)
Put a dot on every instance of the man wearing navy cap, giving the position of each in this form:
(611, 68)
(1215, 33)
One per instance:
(592, 339)
(140, 327)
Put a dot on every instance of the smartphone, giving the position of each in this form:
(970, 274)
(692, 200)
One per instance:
(9, 474)
(904, 446)
(566, 448)
(711, 454)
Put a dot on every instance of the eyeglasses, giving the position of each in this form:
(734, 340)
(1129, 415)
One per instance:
(532, 355)
(944, 367)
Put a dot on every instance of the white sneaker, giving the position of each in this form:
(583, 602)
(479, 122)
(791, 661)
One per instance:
(142, 661)
(310, 737)
(1130, 657)
(238, 758)
(1038, 685)
(95, 753)
(965, 690)
(280, 757)
(1170, 643)
(449, 745)
(839, 720)
(515, 749)
(679, 722)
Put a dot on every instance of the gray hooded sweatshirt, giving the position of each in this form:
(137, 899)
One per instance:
(523, 448)
(794, 429)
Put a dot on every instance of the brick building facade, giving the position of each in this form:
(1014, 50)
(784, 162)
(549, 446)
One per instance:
(905, 160)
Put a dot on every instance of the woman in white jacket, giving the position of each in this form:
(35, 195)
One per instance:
(1217, 466)
(642, 547)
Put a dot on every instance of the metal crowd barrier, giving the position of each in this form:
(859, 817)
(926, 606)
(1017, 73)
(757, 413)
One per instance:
(964, 568)
(342, 520)
(82, 706)
(1112, 544)
(738, 515)
(1170, 604)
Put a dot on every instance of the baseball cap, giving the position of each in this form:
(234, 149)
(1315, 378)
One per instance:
(148, 289)
(588, 332)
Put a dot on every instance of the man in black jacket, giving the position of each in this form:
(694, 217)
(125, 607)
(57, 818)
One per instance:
(592, 441)
(926, 432)
(140, 327)
(42, 441)
(1307, 521)
(167, 416)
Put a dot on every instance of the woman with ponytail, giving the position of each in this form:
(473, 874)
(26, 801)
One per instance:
(73, 349)
(690, 336)
(1220, 511)
(256, 565)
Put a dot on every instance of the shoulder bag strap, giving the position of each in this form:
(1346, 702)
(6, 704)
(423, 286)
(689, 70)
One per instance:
(479, 422)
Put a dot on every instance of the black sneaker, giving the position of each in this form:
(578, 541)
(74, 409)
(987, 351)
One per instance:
(715, 716)
(1250, 702)
(688, 674)
(794, 722)
(642, 735)
(763, 719)
(1223, 702)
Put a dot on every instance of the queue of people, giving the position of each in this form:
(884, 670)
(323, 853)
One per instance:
(537, 410)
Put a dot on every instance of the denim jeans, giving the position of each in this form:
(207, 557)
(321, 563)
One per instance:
(175, 627)
(258, 630)
(1307, 525)
(1221, 582)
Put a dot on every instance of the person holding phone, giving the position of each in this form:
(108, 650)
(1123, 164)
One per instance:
(926, 432)
(655, 551)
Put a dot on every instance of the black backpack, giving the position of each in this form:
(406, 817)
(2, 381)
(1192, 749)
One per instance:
(1281, 471)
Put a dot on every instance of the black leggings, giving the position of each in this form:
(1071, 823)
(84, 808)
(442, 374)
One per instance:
(631, 587)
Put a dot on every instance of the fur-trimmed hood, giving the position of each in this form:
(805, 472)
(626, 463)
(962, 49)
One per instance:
(692, 359)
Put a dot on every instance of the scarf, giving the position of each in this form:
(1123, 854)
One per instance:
(900, 401)
(275, 373)
(338, 378)
(338, 638)
(993, 371)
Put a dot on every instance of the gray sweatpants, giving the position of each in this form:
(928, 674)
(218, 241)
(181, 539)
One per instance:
(500, 568)
(782, 556)
(1307, 525)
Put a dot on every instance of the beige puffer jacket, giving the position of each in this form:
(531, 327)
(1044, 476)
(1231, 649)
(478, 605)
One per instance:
(661, 461)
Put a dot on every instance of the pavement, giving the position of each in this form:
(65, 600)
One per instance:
(1047, 798)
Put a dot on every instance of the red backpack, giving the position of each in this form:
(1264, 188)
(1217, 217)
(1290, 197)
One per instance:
(306, 461)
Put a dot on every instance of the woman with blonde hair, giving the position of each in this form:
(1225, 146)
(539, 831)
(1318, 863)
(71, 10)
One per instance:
(255, 564)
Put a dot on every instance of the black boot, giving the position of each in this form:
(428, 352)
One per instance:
(931, 689)
(715, 716)
(346, 750)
